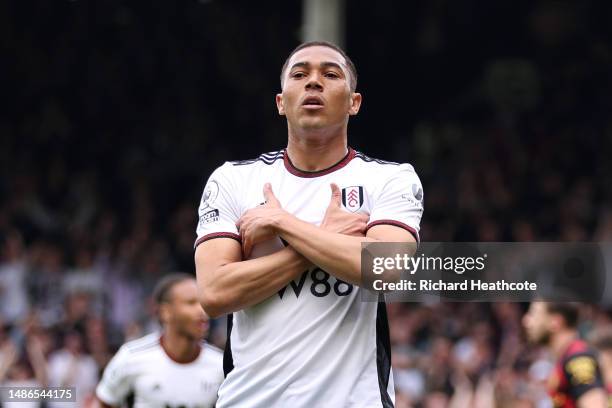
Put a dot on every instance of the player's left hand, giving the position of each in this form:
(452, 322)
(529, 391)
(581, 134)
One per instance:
(340, 221)
(256, 225)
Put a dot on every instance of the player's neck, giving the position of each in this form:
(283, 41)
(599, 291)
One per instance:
(561, 341)
(316, 152)
(179, 348)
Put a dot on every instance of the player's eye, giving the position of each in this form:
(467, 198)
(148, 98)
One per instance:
(298, 75)
(331, 74)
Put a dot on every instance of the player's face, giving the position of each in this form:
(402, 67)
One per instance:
(185, 312)
(536, 322)
(316, 90)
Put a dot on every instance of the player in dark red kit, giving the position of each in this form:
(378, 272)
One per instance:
(576, 380)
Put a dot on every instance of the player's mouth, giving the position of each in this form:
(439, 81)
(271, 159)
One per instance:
(313, 103)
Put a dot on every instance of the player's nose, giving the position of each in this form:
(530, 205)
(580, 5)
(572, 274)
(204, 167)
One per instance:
(525, 321)
(314, 82)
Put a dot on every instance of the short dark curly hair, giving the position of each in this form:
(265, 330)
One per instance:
(349, 62)
(161, 293)
(570, 311)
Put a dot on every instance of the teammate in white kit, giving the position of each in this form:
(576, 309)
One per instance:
(279, 249)
(174, 369)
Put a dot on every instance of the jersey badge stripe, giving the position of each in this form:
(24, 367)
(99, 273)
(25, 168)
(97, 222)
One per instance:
(266, 158)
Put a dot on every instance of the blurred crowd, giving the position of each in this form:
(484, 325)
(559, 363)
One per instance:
(473, 355)
(115, 114)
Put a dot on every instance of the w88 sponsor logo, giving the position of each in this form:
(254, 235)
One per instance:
(320, 286)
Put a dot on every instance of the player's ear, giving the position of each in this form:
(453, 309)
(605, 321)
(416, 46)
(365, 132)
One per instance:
(279, 104)
(163, 312)
(355, 103)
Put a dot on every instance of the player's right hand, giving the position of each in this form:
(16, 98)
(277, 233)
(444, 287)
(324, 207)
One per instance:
(340, 221)
(255, 225)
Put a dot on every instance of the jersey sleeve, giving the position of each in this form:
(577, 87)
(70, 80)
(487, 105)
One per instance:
(219, 210)
(399, 202)
(116, 381)
(582, 373)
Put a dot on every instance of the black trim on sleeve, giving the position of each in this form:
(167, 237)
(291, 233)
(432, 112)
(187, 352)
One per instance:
(217, 235)
(228, 360)
(407, 227)
(383, 354)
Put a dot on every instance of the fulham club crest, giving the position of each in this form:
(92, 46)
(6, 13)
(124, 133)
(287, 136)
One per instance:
(352, 198)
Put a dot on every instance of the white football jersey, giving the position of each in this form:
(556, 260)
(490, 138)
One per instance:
(142, 368)
(315, 343)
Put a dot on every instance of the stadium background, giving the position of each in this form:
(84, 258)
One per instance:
(114, 113)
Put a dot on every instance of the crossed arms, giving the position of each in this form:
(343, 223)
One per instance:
(228, 283)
